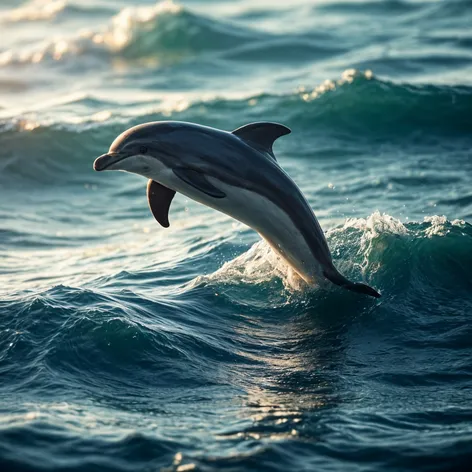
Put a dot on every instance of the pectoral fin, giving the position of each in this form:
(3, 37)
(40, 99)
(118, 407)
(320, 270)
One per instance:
(159, 199)
(199, 181)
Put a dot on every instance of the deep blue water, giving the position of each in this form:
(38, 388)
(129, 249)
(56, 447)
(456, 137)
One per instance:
(128, 347)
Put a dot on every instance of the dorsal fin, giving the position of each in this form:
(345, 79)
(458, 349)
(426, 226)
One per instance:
(261, 135)
(159, 199)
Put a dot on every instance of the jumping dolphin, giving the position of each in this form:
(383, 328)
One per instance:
(235, 173)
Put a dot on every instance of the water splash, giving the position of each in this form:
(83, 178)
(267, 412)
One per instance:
(259, 265)
(372, 249)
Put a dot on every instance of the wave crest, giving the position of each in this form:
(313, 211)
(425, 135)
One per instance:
(392, 255)
(356, 107)
(362, 105)
(164, 30)
(36, 10)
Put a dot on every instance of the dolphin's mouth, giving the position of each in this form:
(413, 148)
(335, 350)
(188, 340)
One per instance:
(106, 160)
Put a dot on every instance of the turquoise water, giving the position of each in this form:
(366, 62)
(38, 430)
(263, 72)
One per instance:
(128, 347)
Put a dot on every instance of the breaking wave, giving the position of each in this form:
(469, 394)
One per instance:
(356, 107)
(165, 30)
(396, 257)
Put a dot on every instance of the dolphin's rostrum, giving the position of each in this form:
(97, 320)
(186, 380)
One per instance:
(235, 173)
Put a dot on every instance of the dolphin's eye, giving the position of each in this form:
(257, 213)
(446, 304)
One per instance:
(143, 150)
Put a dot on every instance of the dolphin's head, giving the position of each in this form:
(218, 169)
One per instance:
(138, 149)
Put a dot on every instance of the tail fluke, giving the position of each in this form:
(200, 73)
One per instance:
(336, 278)
(362, 288)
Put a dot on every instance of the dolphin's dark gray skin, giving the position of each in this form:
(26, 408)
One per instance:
(235, 173)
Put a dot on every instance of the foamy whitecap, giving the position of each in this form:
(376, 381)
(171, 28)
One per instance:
(440, 226)
(376, 224)
(165, 107)
(55, 51)
(133, 21)
(163, 31)
(347, 77)
(129, 25)
(36, 10)
(371, 228)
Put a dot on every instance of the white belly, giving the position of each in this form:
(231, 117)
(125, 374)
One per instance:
(259, 213)
(273, 224)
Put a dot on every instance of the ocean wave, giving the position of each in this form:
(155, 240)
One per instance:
(111, 338)
(362, 105)
(164, 30)
(407, 258)
(395, 257)
(105, 333)
(35, 10)
(48, 11)
(356, 107)
(91, 365)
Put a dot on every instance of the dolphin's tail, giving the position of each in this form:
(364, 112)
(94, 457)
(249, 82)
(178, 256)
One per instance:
(338, 279)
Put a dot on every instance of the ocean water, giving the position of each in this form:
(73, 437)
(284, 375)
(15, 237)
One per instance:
(125, 346)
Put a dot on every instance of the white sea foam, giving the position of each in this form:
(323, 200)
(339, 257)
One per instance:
(440, 225)
(347, 77)
(35, 10)
(130, 24)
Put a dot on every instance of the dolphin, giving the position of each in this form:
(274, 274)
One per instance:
(235, 173)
